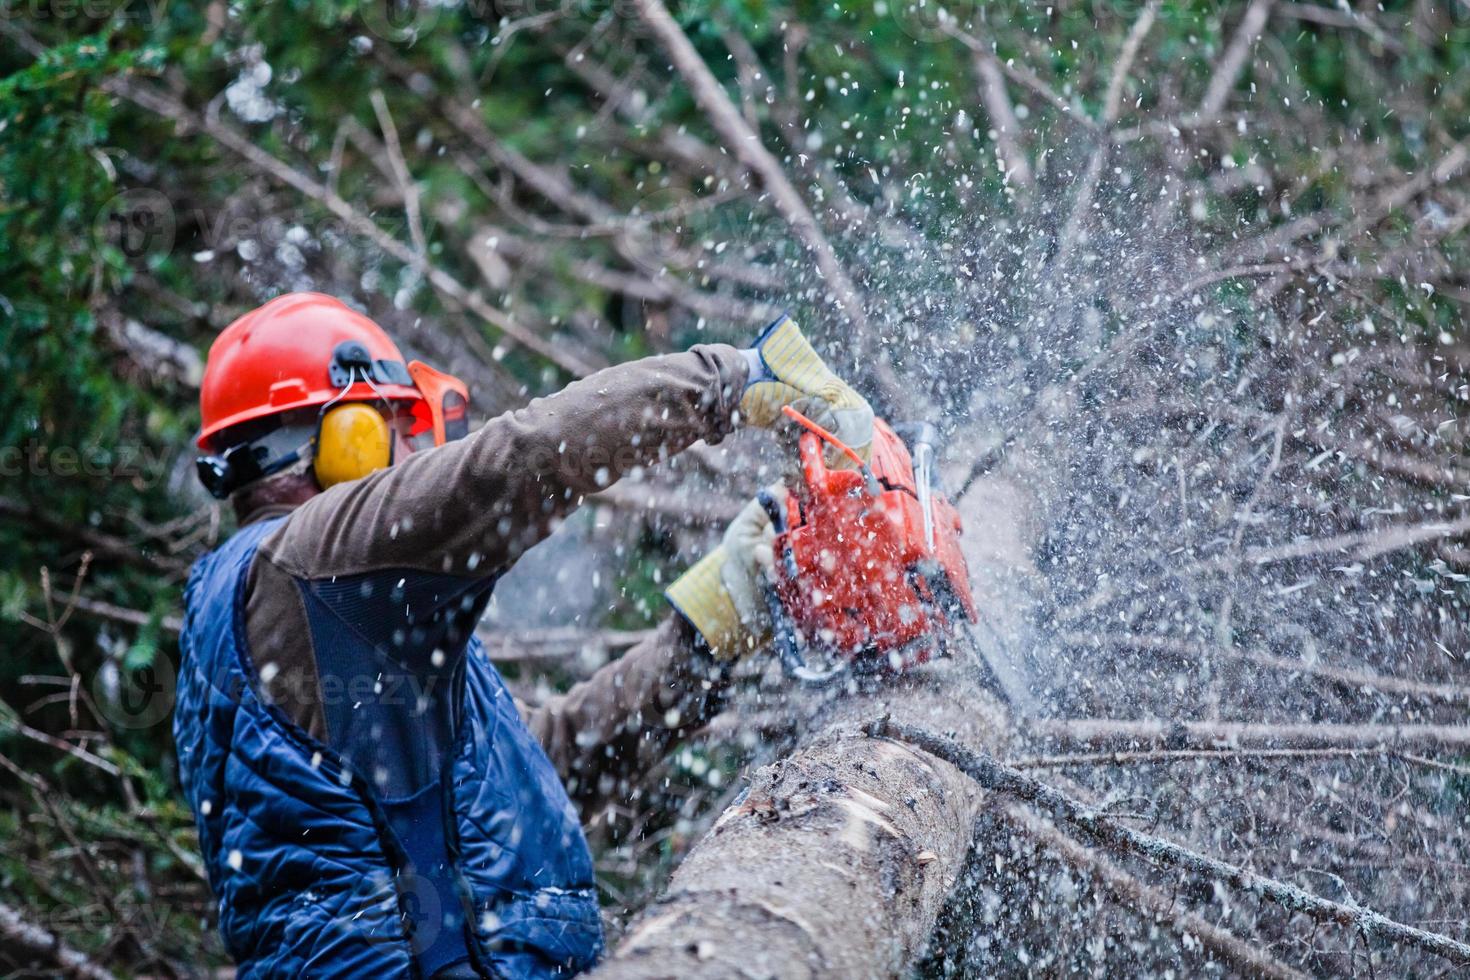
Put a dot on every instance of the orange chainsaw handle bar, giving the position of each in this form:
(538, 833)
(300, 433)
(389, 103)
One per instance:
(813, 466)
(823, 434)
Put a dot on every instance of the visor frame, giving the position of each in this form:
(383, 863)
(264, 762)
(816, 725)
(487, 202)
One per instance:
(435, 387)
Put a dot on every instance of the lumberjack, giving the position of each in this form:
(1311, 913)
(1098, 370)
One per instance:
(369, 797)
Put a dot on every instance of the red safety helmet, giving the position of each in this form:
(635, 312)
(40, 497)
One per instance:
(280, 357)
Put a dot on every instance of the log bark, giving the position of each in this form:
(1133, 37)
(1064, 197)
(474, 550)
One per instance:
(837, 860)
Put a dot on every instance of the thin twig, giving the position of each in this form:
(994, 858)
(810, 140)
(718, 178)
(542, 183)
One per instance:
(1355, 679)
(1136, 734)
(1166, 756)
(1361, 545)
(61, 745)
(1002, 113)
(1233, 62)
(446, 285)
(1113, 100)
(406, 186)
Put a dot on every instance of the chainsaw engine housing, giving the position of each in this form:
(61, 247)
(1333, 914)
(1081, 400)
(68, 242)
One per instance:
(855, 573)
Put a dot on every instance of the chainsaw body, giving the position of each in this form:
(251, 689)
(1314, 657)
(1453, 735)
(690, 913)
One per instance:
(868, 570)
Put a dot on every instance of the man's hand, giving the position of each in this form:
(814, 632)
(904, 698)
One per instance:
(723, 595)
(786, 370)
(749, 559)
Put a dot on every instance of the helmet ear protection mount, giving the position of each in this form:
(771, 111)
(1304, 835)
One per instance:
(351, 439)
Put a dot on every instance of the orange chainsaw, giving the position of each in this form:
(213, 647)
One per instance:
(868, 571)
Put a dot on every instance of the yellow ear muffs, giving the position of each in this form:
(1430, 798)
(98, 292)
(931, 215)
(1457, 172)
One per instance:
(352, 440)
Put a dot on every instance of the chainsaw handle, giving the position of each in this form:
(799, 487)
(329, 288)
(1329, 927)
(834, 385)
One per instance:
(813, 463)
(773, 510)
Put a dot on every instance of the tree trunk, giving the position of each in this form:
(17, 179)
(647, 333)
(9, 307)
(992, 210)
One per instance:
(837, 859)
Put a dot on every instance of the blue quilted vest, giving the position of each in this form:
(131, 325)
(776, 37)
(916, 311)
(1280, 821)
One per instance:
(312, 879)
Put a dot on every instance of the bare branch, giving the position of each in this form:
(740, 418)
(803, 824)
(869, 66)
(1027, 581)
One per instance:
(27, 942)
(446, 285)
(1361, 545)
(121, 614)
(1344, 18)
(1168, 756)
(10, 722)
(1131, 891)
(1077, 217)
(1394, 194)
(663, 289)
(1113, 100)
(746, 145)
(1002, 115)
(550, 645)
(404, 179)
(1233, 62)
(1003, 779)
(1137, 734)
(1355, 679)
(670, 504)
(98, 541)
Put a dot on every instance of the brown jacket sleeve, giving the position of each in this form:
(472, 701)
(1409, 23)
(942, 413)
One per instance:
(475, 505)
(471, 507)
(613, 726)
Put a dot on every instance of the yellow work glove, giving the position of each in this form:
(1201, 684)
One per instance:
(786, 370)
(723, 595)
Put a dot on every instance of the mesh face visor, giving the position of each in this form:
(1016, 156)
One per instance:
(445, 410)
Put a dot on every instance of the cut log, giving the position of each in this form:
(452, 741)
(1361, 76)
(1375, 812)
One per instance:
(837, 860)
